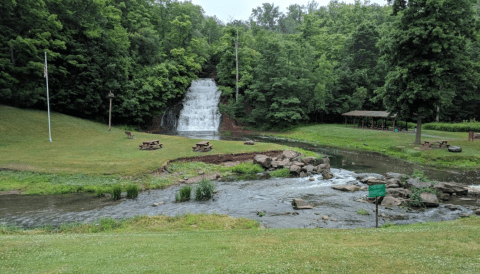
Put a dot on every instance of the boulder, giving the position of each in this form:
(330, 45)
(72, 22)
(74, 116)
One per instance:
(263, 160)
(250, 143)
(414, 182)
(288, 154)
(309, 160)
(326, 161)
(429, 199)
(297, 163)
(398, 192)
(392, 201)
(263, 176)
(327, 174)
(373, 181)
(300, 204)
(303, 174)
(312, 179)
(322, 167)
(474, 191)
(295, 169)
(451, 188)
(364, 176)
(392, 175)
(308, 168)
(348, 188)
(279, 164)
(393, 183)
(477, 212)
(454, 149)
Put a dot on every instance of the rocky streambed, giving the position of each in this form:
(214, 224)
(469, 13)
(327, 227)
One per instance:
(339, 200)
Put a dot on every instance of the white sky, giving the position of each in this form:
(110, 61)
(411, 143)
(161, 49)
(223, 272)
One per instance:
(228, 10)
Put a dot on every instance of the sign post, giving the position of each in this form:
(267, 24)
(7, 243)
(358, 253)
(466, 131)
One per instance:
(376, 191)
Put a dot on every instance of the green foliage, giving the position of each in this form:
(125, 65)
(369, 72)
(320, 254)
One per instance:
(132, 191)
(183, 194)
(454, 127)
(204, 190)
(362, 211)
(387, 225)
(116, 192)
(415, 199)
(247, 168)
(282, 173)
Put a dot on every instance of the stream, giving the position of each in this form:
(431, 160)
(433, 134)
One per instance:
(331, 208)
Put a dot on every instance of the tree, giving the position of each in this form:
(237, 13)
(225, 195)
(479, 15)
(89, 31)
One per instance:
(425, 48)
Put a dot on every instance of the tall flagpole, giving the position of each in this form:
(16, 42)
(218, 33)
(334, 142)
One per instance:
(45, 74)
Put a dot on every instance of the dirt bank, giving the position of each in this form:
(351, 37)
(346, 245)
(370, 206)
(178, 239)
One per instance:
(218, 159)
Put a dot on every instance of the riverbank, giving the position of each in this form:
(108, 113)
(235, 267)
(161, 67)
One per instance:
(442, 247)
(398, 145)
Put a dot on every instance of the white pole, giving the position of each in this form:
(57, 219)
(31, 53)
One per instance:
(48, 99)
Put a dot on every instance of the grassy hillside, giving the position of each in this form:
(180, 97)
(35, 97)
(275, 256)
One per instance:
(82, 146)
(445, 247)
(394, 144)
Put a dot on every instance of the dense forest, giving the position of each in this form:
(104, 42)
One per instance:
(303, 65)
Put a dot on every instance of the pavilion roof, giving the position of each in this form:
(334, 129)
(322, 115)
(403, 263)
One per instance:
(368, 113)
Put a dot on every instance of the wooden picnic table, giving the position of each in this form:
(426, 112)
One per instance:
(152, 144)
(202, 146)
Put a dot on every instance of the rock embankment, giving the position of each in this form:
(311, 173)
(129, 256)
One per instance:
(297, 163)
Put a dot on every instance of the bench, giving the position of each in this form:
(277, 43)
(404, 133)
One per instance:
(153, 144)
(129, 135)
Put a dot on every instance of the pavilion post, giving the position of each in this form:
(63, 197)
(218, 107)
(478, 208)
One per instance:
(345, 121)
(353, 122)
(382, 124)
(372, 123)
(394, 125)
(363, 122)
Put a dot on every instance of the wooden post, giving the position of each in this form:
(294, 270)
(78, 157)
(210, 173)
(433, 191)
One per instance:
(353, 122)
(110, 116)
(393, 125)
(363, 122)
(372, 123)
(345, 121)
(376, 211)
(382, 124)
(471, 136)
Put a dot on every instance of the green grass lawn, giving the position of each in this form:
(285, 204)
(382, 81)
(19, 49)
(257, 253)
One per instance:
(394, 144)
(445, 247)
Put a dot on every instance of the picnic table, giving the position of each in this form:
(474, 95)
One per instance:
(439, 144)
(152, 144)
(203, 146)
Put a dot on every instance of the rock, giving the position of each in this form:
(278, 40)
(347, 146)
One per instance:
(454, 149)
(309, 160)
(300, 204)
(327, 174)
(349, 188)
(325, 217)
(373, 181)
(392, 175)
(414, 182)
(444, 196)
(263, 160)
(322, 167)
(398, 192)
(297, 163)
(250, 143)
(263, 175)
(429, 199)
(464, 215)
(303, 174)
(288, 154)
(344, 162)
(391, 201)
(477, 212)
(312, 179)
(201, 172)
(181, 181)
(393, 183)
(157, 204)
(295, 169)
(326, 161)
(308, 168)
(451, 207)
(218, 176)
(364, 176)
(451, 188)
(364, 188)
(474, 191)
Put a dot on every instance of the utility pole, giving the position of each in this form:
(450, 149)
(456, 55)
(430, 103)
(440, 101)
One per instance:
(236, 61)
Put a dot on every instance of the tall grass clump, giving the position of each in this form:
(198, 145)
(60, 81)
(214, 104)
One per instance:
(282, 173)
(465, 126)
(132, 191)
(117, 192)
(415, 199)
(247, 168)
(204, 190)
(183, 194)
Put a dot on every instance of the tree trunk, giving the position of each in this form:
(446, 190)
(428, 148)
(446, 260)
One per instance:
(418, 137)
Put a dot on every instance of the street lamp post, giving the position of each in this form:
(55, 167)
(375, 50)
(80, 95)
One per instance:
(110, 96)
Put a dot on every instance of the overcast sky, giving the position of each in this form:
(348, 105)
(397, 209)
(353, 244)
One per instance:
(228, 10)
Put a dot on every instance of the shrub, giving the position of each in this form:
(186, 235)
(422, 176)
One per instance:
(454, 127)
(184, 194)
(248, 168)
(415, 199)
(362, 211)
(100, 192)
(117, 192)
(132, 191)
(204, 190)
(284, 172)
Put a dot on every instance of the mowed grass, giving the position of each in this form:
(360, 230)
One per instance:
(82, 146)
(445, 247)
(399, 145)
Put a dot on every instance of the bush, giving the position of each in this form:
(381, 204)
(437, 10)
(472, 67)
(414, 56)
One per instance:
(415, 199)
(248, 168)
(184, 194)
(117, 192)
(100, 192)
(132, 191)
(362, 211)
(204, 190)
(454, 127)
(283, 173)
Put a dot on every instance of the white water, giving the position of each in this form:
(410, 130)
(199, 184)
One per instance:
(200, 107)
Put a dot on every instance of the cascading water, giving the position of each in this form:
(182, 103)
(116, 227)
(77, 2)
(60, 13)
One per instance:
(200, 108)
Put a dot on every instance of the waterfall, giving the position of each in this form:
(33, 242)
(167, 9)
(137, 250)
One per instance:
(200, 107)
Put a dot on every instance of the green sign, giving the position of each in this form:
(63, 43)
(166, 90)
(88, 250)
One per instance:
(376, 190)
